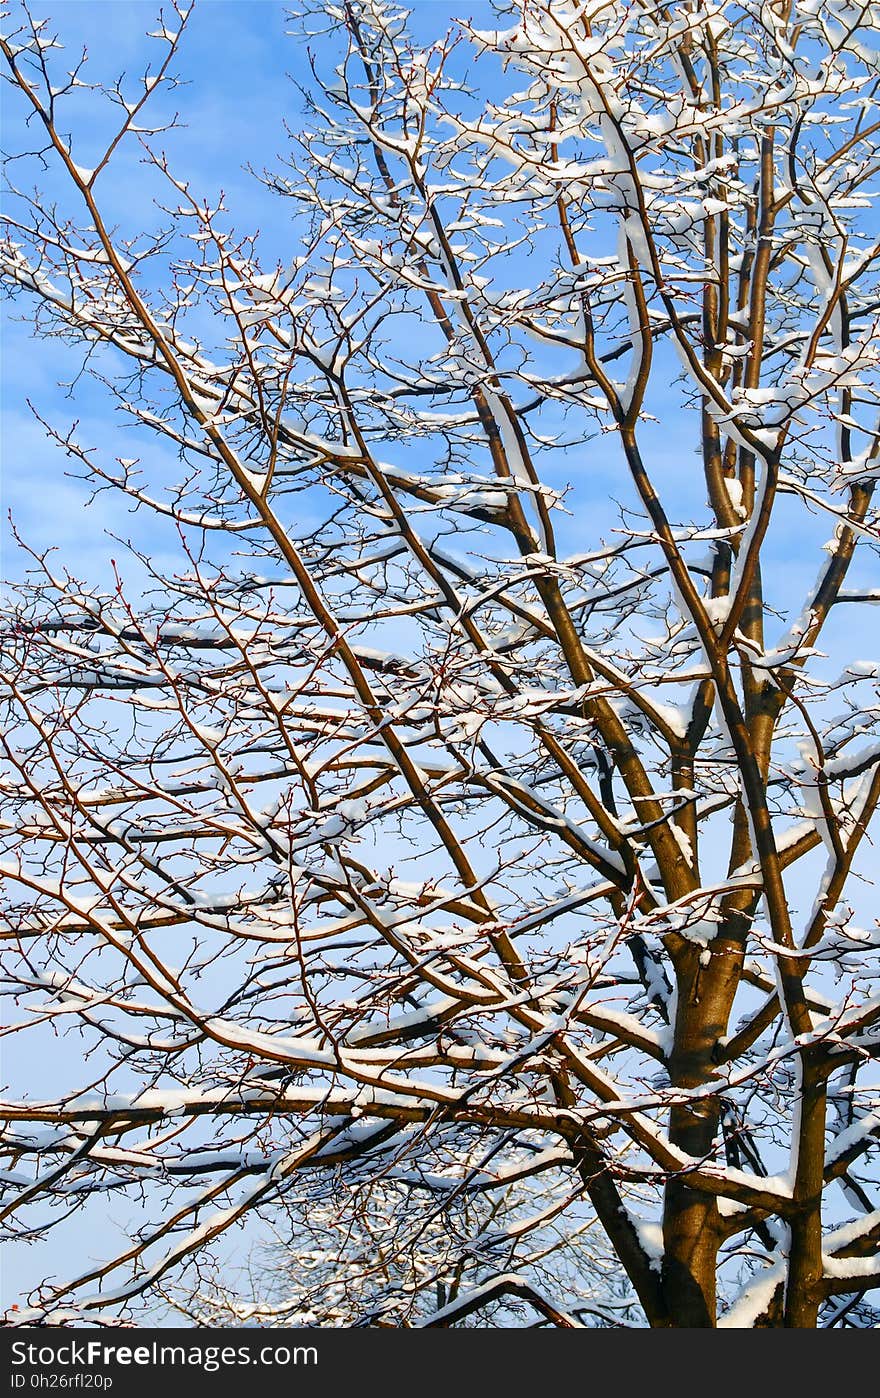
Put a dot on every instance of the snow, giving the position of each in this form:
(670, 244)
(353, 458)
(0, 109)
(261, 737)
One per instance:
(506, 1281)
(844, 1268)
(651, 1238)
(717, 609)
(735, 493)
(683, 841)
(866, 1125)
(675, 716)
(754, 1299)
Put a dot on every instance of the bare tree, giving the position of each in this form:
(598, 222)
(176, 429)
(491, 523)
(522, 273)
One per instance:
(435, 854)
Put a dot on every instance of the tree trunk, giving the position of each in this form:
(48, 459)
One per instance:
(691, 1223)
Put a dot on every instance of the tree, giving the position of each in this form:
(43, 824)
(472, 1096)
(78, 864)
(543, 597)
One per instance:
(430, 836)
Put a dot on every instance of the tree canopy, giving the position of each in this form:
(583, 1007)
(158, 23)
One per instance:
(455, 856)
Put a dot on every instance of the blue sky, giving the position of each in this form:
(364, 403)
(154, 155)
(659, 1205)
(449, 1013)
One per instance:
(238, 65)
(236, 61)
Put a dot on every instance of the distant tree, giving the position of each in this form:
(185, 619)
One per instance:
(422, 856)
